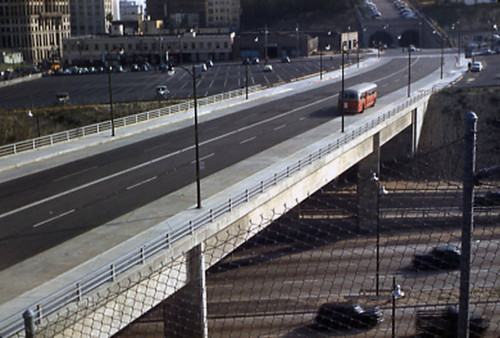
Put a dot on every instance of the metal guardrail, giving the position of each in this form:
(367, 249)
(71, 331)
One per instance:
(108, 273)
(48, 140)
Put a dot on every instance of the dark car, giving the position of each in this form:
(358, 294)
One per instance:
(255, 61)
(246, 61)
(347, 316)
(488, 199)
(441, 257)
(285, 59)
(444, 323)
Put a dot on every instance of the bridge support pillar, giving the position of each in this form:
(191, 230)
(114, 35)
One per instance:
(185, 312)
(367, 188)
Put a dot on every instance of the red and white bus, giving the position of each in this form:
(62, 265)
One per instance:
(359, 97)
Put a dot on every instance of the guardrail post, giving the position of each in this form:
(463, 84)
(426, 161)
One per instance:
(33, 144)
(167, 240)
(40, 313)
(262, 186)
(67, 136)
(29, 323)
(247, 197)
(211, 216)
(78, 292)
(287, 171)
(230, 205)
(191, 229)
(143, 255)
(113, 275)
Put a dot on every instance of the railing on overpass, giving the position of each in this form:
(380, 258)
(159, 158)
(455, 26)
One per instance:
(75, 291)
(48, 140)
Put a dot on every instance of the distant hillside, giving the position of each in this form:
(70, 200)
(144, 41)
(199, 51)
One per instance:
(440, 152)
(285, 14)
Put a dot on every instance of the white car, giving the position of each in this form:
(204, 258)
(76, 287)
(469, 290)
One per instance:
(162, 91)
(267, 68)
(476, 66)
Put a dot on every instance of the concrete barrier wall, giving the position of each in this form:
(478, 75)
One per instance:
(20, 80)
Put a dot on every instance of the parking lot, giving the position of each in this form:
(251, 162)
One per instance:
(141, 85)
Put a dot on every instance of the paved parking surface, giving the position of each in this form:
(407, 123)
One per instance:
(139, 86)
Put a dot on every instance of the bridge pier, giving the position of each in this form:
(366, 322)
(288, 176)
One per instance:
(185, 312)
(367, 188)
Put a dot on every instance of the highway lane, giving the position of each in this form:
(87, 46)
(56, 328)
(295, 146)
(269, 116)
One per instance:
(268, 290)
(44, 209)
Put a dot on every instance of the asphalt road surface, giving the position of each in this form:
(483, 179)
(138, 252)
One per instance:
(276, 288)
(44, 209)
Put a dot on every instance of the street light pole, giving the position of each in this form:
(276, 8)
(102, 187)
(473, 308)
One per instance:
(357, 53)
(265, 42)
(409, 70)
(246, 80)
(196, 141)
(342, 101)
(170, 72)
(320, 64)
(111, 96)
(442, 57)
(459, 41)
(298, 39)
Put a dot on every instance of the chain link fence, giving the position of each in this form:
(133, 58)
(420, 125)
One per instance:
(315, 270)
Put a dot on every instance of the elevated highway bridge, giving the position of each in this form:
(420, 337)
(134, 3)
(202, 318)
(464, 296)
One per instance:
(85, 284)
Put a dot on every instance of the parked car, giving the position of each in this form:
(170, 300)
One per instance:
(162, 91)
(476, 66)
(209, 63)
(444, 323)
(118, 69)
(246, 61)
(267, 68)
(441, 257)
(412, 48)
(255, 61)
(74, 70)
(135, 68)
(285, 59)
(62, 98)
(348, 316)
(145, 67)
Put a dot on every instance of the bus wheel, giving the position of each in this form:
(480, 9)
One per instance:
(362, 108)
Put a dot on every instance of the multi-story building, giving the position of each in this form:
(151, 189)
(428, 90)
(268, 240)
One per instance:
(200, 13)
(184, 47)
(34, 27)
(130, 10)
(223, 13)
(167, 9)
(92, 17)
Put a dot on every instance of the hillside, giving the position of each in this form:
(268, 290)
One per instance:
(441, 146)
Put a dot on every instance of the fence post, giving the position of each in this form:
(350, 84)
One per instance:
(29, 323)
(468, 221)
